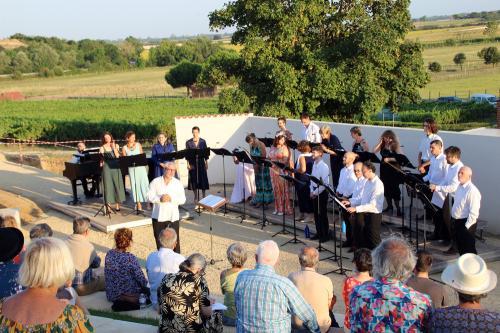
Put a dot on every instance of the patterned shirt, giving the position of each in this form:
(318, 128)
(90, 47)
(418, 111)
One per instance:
(349, 285)
(457, 320)
(387, 305)
(265, 302)
(8, 279)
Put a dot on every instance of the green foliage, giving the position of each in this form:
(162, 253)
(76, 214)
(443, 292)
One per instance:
(5, 61)
(330, 59)
(434, 67)
(46, 72)
(58, 71)
(219, 69)
(43, 56)
(21, 63)
(490, 55)
(194, 50)
(447, 113)
(459, 59)
(183, 75)
(233, 100)
(491, 28)
(89, 118)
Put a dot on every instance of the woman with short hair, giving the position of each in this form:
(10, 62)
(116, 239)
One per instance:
(330, 144)
(161, 147)
(303, 168)
(47, 266)
(359, 145)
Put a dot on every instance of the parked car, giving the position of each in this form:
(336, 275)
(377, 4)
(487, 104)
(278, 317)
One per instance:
(449, 99)
(484, 98)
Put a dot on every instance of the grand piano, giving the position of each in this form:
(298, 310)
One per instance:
(87, 167)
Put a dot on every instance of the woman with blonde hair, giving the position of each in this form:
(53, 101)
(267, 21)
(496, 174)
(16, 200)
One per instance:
(330, 144)
(47, 266)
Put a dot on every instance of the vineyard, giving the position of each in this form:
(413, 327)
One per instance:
(76, 119)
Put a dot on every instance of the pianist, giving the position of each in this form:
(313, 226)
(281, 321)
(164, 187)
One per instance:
(77, 159)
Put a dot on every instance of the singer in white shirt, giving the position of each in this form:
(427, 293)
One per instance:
(465, 212)
(166, 193)
(351, 237)
(319, 195)
(424, 153)
(347, 179)
(311, 130)
(368, 209)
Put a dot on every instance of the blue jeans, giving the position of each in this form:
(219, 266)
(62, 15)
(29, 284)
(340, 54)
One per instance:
(226, 321)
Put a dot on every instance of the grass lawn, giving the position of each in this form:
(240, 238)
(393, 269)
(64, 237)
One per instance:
(442, 34)
(445, 23)
(444, 55)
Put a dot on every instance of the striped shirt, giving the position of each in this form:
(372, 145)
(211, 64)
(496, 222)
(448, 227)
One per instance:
(265, 302)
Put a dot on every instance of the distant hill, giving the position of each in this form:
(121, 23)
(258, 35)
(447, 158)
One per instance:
(10, 44)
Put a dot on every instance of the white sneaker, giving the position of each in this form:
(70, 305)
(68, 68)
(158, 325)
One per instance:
(280, 214)
(275, 212)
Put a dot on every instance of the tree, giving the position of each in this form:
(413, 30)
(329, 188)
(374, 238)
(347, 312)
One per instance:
(434, 67)
(183, 75)
(491, 29)
(4, 63)
(163, 54)
(490, 55)
(43, 56)
(233, 100)
(459, 59)
(22, 63)
(220, 68)
(340, 59)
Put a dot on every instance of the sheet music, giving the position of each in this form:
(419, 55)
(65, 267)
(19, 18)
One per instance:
(340, 203)
(212, 201)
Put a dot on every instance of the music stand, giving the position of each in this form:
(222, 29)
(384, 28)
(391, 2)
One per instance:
(223, 152)
(367, 156)
(243, 157)
(211, 203)
(195, 153)
(293, 181)
(262, 163)
(268, 142)
(134, 161)
(105, 208)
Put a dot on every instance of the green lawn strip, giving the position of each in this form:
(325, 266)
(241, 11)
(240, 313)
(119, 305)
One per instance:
(123, 317)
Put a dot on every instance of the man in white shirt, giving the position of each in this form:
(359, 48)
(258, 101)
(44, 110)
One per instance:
(356, 196)
(311, 130)
(319, 195)
(424, 153)
(164, 261)
(166, 193)
(465, 212)
(368, 208)
(442, 191)
(347, 181)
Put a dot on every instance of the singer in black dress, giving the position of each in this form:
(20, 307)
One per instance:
(198, 178)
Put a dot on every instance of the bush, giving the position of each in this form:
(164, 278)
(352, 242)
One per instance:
(17, 75)
(45, 72)
(58, 71)
(435, 67)
(446, 113)
(233, 100)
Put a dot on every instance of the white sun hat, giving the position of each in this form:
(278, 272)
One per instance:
(469, 275)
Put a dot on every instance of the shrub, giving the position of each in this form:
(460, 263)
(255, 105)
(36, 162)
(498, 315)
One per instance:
(58, 71)
(233, 100)
(45, 72)
(435, 67)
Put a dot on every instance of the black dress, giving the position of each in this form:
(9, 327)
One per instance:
(198, 178)
(303, 193)
(336, 164)
(390, 177)
(357, 148)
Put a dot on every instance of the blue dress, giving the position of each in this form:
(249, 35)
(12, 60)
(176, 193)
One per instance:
(158, 150)
(198, 178)
(138, 177)
(264, 193)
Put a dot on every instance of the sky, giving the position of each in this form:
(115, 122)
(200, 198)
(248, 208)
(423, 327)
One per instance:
(117, 19)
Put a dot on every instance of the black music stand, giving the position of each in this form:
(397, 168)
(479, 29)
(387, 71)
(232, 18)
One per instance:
(293, 181)
(262, 163)
(223, 152)
(195, 153)
(105, 208)
(268, 142)
(367, 156)
(243, 157)
(169, 157)
(283, 231)
(134, 161)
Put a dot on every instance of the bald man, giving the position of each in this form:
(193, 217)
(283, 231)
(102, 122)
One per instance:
(266, 301)
(465, 212)
(347, 182)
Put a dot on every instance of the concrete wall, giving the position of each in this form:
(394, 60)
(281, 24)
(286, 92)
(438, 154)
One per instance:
(481, 153)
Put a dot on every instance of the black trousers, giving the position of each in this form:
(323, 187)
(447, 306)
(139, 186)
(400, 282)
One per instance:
(367, 230)
(159, 226)
(465, 238)
(85, 185)
(320, 216)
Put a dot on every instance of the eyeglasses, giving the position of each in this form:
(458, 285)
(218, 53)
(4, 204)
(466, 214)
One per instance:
(170, 169)
(358, 170)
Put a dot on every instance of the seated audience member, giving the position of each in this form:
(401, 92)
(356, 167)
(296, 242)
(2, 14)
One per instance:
(438, 292)
(162, 262)
(237, 256)
(41, 230)
(69, 293)
(316, 289)
(85, 258)
(184, 302)
(266, 301)
(470, 277)
(10, 222)
(387, 304)
(124, 278)
(47, 266)
(11, 244)
(363, 263)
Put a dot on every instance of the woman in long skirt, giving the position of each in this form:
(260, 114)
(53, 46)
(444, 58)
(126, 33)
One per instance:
(244, 182)
(114, 191)
(279, 152)
(304, 166)
(264, 193)
(138, 176)
(198, 178)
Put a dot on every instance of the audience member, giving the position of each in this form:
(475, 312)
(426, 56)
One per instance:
(124, 279)
(46, 266)
(10, 222)
(316, 289)
(85, 258)
(164, 261)
(237, 256)
(41, 230)
(184, 300)
(11, 244)
(386, 304)
(265, 301)
(438, 292)
(363, 264)
(470, 277)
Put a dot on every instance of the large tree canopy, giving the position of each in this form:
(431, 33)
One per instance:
(343, 59)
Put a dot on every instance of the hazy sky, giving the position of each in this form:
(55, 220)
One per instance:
(114, 19)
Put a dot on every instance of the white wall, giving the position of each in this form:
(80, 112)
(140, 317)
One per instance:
(481, 153)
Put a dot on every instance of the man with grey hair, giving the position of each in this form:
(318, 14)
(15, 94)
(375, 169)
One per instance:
(40, 230)
(317, 289)
(166, 193)
(387, 304)
(164, 261)
(85, 258)
(266, 301)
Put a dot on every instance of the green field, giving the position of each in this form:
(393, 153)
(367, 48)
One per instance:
(442, 34)
(445, 23)
(142, 82)
(444, 55)
(77, 119)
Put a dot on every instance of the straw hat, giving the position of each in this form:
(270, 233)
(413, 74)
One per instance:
(11, 243)
(469, 275)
